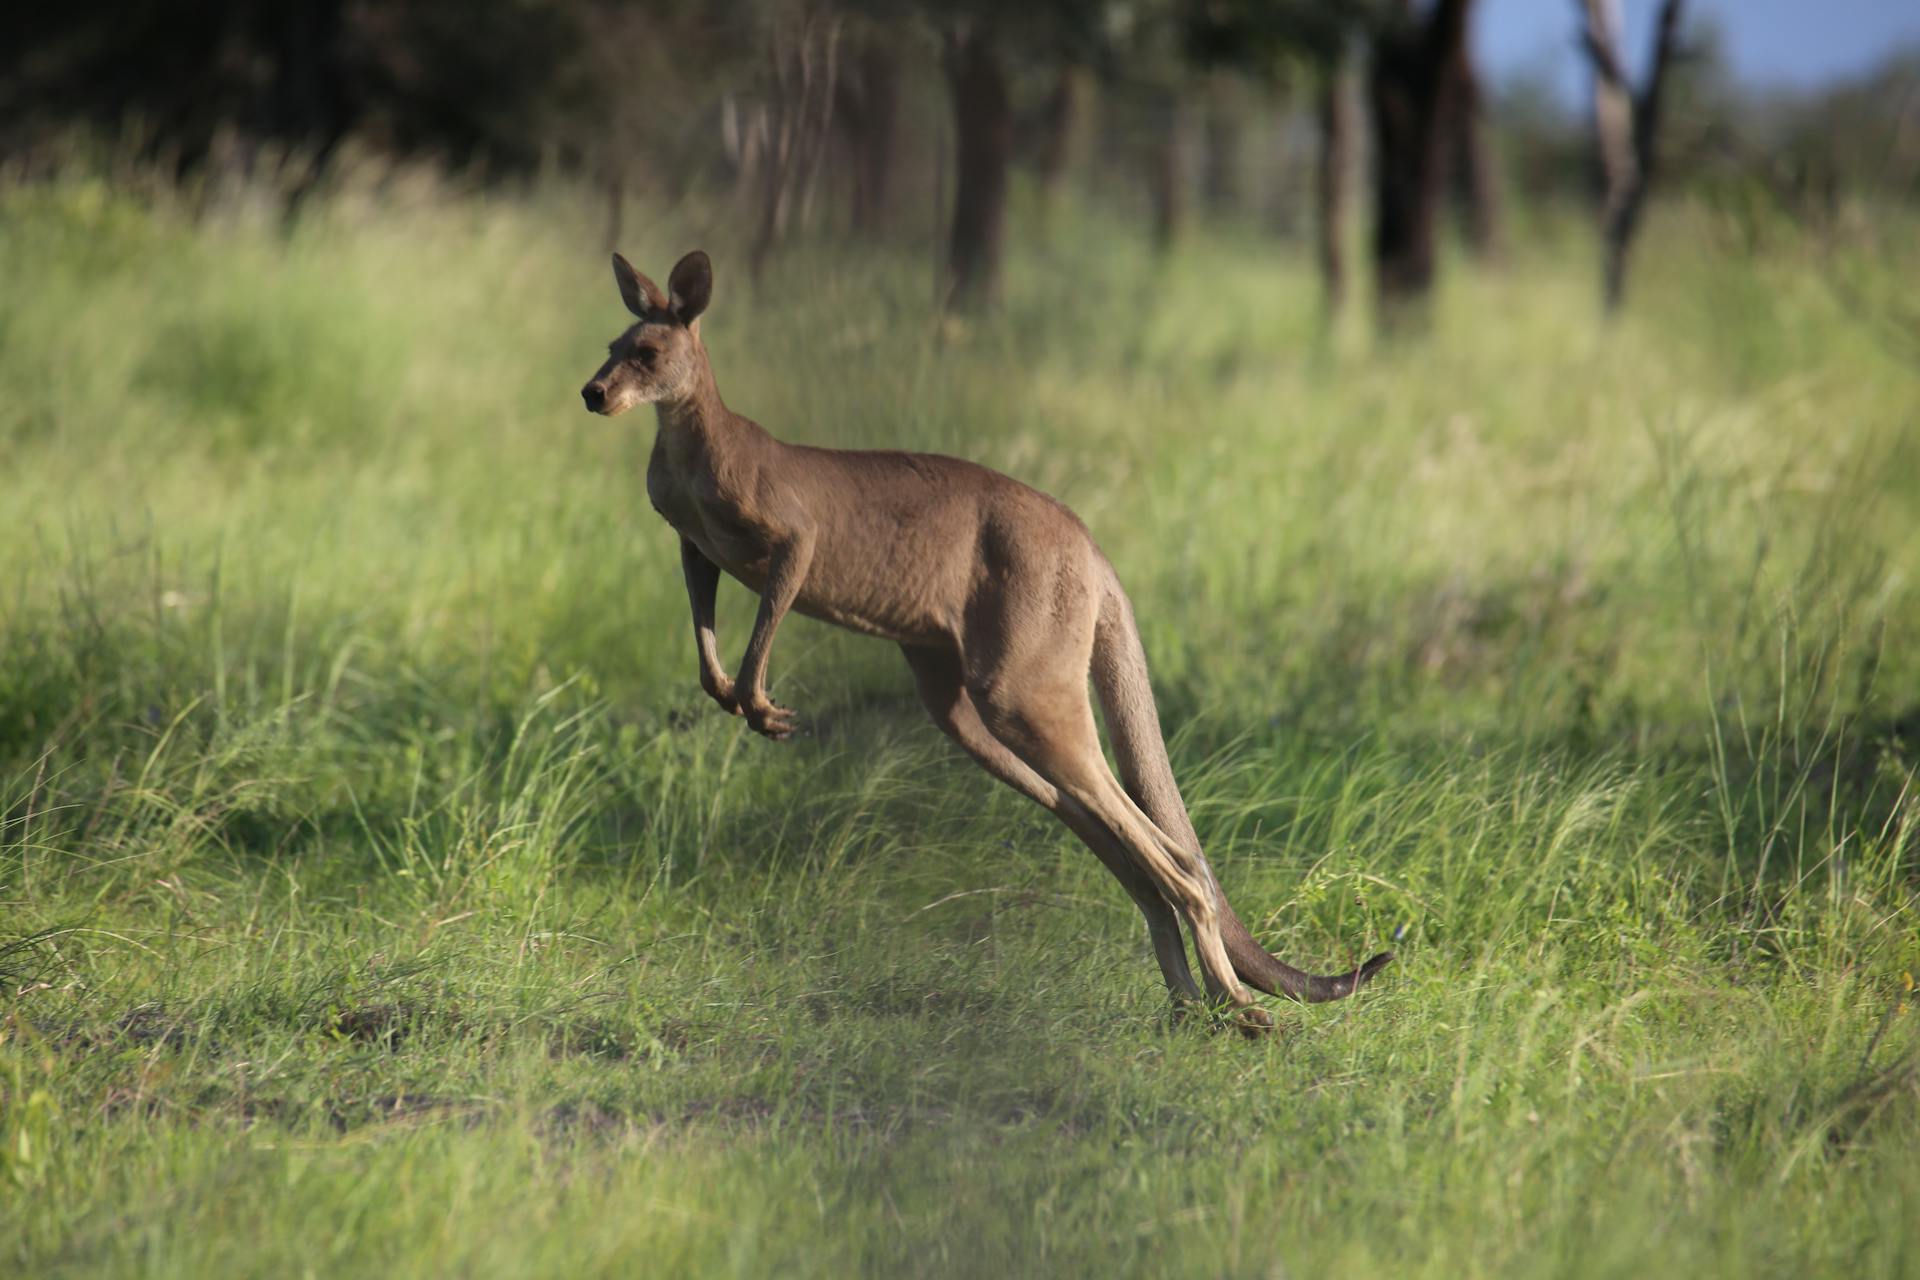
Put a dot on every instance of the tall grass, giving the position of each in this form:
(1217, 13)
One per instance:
(378, 893)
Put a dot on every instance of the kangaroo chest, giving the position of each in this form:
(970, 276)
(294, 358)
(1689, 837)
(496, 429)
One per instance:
(688, 497)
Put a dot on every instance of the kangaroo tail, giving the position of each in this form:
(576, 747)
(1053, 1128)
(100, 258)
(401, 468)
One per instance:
(1133, 722)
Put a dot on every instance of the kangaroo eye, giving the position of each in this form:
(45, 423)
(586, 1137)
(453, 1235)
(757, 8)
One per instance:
(645, 356)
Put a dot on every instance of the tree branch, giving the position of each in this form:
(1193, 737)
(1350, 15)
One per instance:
(1646, 115)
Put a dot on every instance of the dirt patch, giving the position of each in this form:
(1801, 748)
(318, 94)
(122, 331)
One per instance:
(393, 1108)
(141, 1027)
(582, 1120)
(738, 1112)
(151, 1025)
(612, 1041)
(385, 1025)
(121, 1102)
(1883, 1102)
(746, 1110)
(902, 1000)
(26, 962)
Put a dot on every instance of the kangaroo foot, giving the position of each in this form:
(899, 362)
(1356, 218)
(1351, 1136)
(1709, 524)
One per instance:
(1253, 1022)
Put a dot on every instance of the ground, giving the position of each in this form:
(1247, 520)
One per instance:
(380, 895)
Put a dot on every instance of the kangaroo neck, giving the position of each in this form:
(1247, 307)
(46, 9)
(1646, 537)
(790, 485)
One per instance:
(697, 415)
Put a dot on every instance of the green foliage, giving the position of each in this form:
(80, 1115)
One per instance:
(379, 894)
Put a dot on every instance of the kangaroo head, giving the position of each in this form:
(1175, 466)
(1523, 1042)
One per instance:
(659, 357)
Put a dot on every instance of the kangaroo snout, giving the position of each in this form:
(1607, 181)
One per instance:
(595, 394)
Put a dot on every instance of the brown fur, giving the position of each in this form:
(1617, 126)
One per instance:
(995, 593)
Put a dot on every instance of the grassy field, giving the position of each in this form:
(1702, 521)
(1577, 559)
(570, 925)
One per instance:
(379, 895)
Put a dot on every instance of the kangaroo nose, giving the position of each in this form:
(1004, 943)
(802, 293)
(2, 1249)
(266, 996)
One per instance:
(595, 394)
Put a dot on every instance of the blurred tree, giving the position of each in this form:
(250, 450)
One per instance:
(1060, 127)
(1863, 136)
(1145, 60)
(1337, 111)
(602, 112)
(1168, 181)
(983, 151)
(869, 106)
(1626, 127)
(1167, 140)
(977, 40)
(1150, 105)
(301, 74)
(1476, 166)
(1418, 76)
(1220, 178)
(805, 55)
(1413, 86)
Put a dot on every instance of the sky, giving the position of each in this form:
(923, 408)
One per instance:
(1794, 44)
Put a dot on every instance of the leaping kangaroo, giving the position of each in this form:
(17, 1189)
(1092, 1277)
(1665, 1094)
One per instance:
(995, 593)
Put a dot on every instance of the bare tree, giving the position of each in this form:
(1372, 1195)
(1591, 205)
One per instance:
(983, 150)
(1626, 127)
(1414, 88)
(1166, 164)
(806, 49)
(1220, 181)
(1476, 168)
(869, 107)
(1062, 121)
(1338, 109)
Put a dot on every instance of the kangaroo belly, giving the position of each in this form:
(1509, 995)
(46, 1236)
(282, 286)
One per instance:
(869, 604)
(871, 618)
(735, 548)
(862, 590)
(895, 571)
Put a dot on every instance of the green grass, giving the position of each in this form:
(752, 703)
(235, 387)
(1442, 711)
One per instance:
(379, 895)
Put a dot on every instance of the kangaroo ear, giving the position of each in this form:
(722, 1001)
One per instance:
(639, 293)
(691, 285)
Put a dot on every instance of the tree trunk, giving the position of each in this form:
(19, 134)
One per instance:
(1220, 182)
(1165, 169)
(805, 70)
(870, 106)
(1626, 129)
(1059, 126)
(1476, 168)
(1337, 109)
(745, 140)
(1412, 95)
(306, 101)
(983, 132)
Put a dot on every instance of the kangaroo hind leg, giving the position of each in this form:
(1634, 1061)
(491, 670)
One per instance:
(1043, 716)
(936, 675)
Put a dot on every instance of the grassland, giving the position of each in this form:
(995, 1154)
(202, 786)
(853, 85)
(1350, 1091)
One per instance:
(379, 895)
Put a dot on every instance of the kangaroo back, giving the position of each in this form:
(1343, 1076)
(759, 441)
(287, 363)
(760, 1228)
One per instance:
(1133, 722)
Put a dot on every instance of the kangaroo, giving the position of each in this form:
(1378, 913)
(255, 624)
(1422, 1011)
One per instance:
(996, 595)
